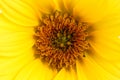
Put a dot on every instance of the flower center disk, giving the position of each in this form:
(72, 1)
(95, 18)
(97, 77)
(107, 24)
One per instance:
(60, 40)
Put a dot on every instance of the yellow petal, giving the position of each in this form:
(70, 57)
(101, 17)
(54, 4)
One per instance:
(7, 77)
(18, 12)
(111, 21)
(59, 5)
(9, 66)
(94, 71)
(46, 6)
(95, 10)
(36, 70)
(80, 72)
(66, 75)
(15, 43)
(65, 5)
(109, 66)
(106, 41)
(70, 4)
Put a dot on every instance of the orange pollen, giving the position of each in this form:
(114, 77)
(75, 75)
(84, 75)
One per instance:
(60, 40)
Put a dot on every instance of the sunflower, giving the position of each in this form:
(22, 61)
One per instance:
(60, 40)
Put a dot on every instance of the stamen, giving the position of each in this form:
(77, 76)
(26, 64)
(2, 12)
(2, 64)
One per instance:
(61, 40)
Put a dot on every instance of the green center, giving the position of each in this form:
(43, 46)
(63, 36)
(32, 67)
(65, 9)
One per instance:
(62, 41)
